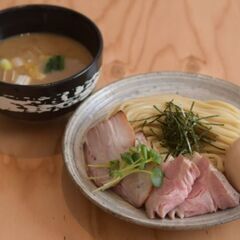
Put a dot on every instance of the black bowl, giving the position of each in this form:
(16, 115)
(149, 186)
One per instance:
(45, 101)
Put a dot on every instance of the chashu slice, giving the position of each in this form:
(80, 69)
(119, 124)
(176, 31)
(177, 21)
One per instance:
(199, 201)
(105, 142)
(211, 191)
(179, 177)
(136, 187)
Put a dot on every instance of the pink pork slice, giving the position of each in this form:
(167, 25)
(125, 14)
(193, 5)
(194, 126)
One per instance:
(105, 142)
(222, 192)
(210, 192)
(136, 187)
(199, 200)
(180, 175)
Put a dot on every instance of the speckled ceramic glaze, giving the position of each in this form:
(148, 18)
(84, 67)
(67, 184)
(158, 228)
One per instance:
(49, 100)
(101, 103)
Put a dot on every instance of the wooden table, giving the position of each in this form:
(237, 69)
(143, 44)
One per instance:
(38, 200)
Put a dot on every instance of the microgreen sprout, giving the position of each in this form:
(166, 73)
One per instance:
(139, 159)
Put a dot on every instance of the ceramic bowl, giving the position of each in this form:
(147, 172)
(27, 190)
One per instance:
(53, 99)
(98, 107)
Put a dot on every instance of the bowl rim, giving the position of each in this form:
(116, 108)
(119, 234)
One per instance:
(93, 62)
(106, 208)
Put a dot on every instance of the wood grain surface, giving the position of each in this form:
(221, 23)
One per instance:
(38, 200)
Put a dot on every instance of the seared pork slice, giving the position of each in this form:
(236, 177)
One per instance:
(210, 192)
(136, 187)
(180, 174)
(222, 192)
(199, 201)
(105, 142)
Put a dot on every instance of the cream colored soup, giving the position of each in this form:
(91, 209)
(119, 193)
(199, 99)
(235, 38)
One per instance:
(39, 58)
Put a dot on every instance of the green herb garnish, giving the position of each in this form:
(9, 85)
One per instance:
(156, 177)
(183, 131)
(136, 159)
(55, 63)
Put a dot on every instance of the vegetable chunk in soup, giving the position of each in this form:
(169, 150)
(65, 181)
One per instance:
(38, 58)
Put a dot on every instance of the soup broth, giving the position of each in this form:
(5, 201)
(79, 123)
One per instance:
(39, 58)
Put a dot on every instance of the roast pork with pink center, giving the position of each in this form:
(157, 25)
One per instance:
(180, 175)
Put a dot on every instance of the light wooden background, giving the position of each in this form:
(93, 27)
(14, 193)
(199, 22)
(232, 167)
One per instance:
(37, 198)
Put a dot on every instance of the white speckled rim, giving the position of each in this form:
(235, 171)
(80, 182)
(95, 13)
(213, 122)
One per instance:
(98, 106)
(39, 105)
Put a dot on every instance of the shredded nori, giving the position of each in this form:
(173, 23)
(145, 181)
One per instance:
(183, 131)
